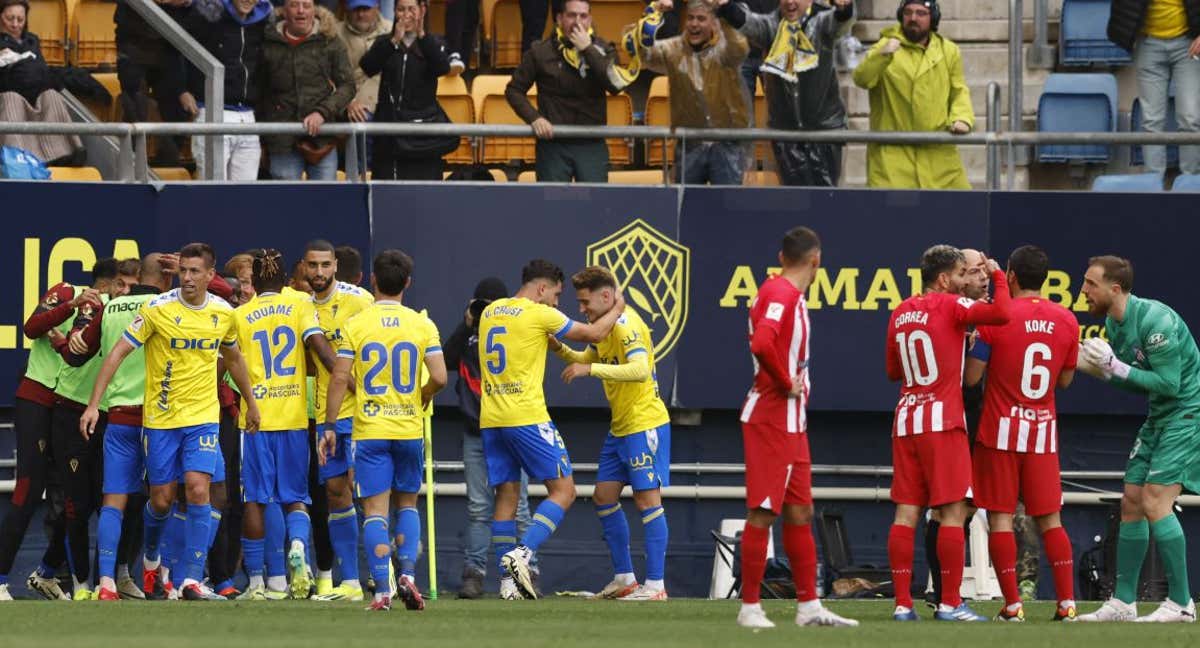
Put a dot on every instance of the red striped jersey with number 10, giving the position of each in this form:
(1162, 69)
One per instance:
(780, 305)
(1024, 359)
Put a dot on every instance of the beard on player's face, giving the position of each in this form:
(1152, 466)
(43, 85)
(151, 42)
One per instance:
(319, 283)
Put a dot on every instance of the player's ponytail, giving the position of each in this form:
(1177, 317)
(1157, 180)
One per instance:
(267, 270)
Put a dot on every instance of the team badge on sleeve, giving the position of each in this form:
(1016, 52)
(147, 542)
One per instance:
(775, 311)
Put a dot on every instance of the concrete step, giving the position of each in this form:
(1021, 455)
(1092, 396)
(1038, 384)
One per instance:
(858, 102)
(957, 9)
(959, 31)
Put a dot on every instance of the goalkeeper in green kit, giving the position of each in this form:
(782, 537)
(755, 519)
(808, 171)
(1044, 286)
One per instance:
(1151, 351)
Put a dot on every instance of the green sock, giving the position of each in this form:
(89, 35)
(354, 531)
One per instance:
(1172, 548)
(1132, 542)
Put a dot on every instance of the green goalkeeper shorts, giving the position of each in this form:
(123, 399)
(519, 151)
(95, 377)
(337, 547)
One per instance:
(1167, 455)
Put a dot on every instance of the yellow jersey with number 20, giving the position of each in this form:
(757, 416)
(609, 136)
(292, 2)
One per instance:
(512, 359)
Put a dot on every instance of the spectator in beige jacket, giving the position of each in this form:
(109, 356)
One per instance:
(361, 27)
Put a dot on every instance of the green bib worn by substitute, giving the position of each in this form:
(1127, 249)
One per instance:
(128, 385)
(44, 362)
(75, 383)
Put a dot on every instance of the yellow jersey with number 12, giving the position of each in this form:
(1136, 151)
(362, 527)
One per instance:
(388, 343)
(346, 301)
(272, 328)
(512, 360)
(636, 406)
(182, 342)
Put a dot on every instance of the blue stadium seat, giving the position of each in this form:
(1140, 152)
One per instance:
(1189, 183)
(1077, 103)
(1136, 158)
(1083, 35)
(1130, 183)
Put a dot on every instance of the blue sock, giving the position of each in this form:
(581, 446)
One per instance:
(274, 540)
(375, 533)
(299, 527)
(172, 543)
(46, 571)
(3, 579)
(252, 556)
(199, 517)
(545, 520)
(223, 585)
(654, 520)
(108, 536)
(152, 531)
(213, 527)
(616, 536)
(504, 539)
(343, 535)
(408, 539)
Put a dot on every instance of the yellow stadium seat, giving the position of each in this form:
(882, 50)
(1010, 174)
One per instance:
(761, 179)
(172, 174)
(94, 33)
(460, 108)
(658, 113)
(435, 17)
(498, 175)
(609, 17)
(502, 28)
(48, 19)
(647, 177)
(527, 176)
(106, 112)
(620, 113)
(487, 92)
(75, 174)
(762, 149)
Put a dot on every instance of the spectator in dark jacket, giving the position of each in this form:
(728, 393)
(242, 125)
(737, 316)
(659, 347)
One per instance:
(462, 355)
(409, 62)
(148, 65)
(1164, 37)
(572, 69)
(234, 35)
(29, 89)
(306, 78)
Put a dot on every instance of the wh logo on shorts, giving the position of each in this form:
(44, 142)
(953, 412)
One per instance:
(208, 442)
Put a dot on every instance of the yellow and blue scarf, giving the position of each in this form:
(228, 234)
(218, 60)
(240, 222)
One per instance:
(792, 52)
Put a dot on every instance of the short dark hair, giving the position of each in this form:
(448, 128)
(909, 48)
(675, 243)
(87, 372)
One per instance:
(349, 263)
(559, 6)
(105, 268)
(1029, 264)
(939, 259)
(799, 243)
(199, 251)
(593, 278)
(319, 245)
(541, 269)
(392, 270)
(267, 270)
(129, 267)
(1116, 270)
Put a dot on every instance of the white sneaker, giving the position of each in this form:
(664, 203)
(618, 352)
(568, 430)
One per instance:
(644, 593)
(819, 616)
(129, 589)
(1113, 610)
(1171, 612)
(4, 595)
(753, 616)
(48, 588)
(509, 591)
(616, 589)
(516, 563)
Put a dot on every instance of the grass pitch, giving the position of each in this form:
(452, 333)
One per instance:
(549, 623)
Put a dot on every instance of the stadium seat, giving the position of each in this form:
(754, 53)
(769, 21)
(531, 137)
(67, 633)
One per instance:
(762, 179)
(498, 175)
(503, 19)
(609, 17)
(1083, 35)
(460, 108)
(658, 113)
(1077, 103)
(646, 177)
(1136, 156)
(1129, 183)
(487, 92)
(620, 113)
(172, 174)
(839, 560)
(75, 174)
(435, 17)
(106, 112)
(94, 34)
(48, 19)
(527, 176)
(1188, 183)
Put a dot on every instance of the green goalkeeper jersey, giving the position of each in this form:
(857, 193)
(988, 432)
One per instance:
(1155, 341)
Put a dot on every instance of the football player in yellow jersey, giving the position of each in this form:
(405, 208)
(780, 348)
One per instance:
(638, 448)
(275, 328)
(383, 348)
(336, 302)
(517, 431)
(183, 331)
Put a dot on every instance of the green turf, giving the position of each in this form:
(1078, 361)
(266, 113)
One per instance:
(557, 623)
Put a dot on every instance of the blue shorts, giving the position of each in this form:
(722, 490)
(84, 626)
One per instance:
(339, 463)
(642, 459)
(124, 466)
(382, 465)
(539, 449)
(171, 453)
(275, 467)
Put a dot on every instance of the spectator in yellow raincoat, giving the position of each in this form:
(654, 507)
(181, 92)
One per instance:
(915, 79)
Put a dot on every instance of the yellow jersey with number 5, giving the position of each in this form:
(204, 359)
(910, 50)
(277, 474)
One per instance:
(512, 360)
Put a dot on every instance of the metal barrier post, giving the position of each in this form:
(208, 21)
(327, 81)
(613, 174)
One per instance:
(352, 158)
(141, 168)
(125, 157)
(1016, 79)
(1041, 55)
(993, 126)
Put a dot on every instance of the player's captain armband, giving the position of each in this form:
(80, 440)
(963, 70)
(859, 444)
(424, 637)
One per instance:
(775, 311)
(980, 350)
(966, 302)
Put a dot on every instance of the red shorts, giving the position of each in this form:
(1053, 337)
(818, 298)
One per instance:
(1001, 478)
(931, 469)
(778, 468)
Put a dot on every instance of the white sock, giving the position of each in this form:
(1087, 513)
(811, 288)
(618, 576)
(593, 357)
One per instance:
(166, 574)
(151, 566)
(625, 579)
(325, 573)
(256, 582)
(189, 581)
(277, 583)
(379, 596)
(79, 584)
(1014, 607)
(750, 607)
(298, 545)
(656, 585)
(1066, 604)
(352, 584)
(809, 607)
(108, 584)
(942, 607)
(122, 571)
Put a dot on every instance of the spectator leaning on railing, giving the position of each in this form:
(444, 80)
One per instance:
(306, 78)
(800, 81)
(915, 79)
(572, 69)
(1164, 37)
